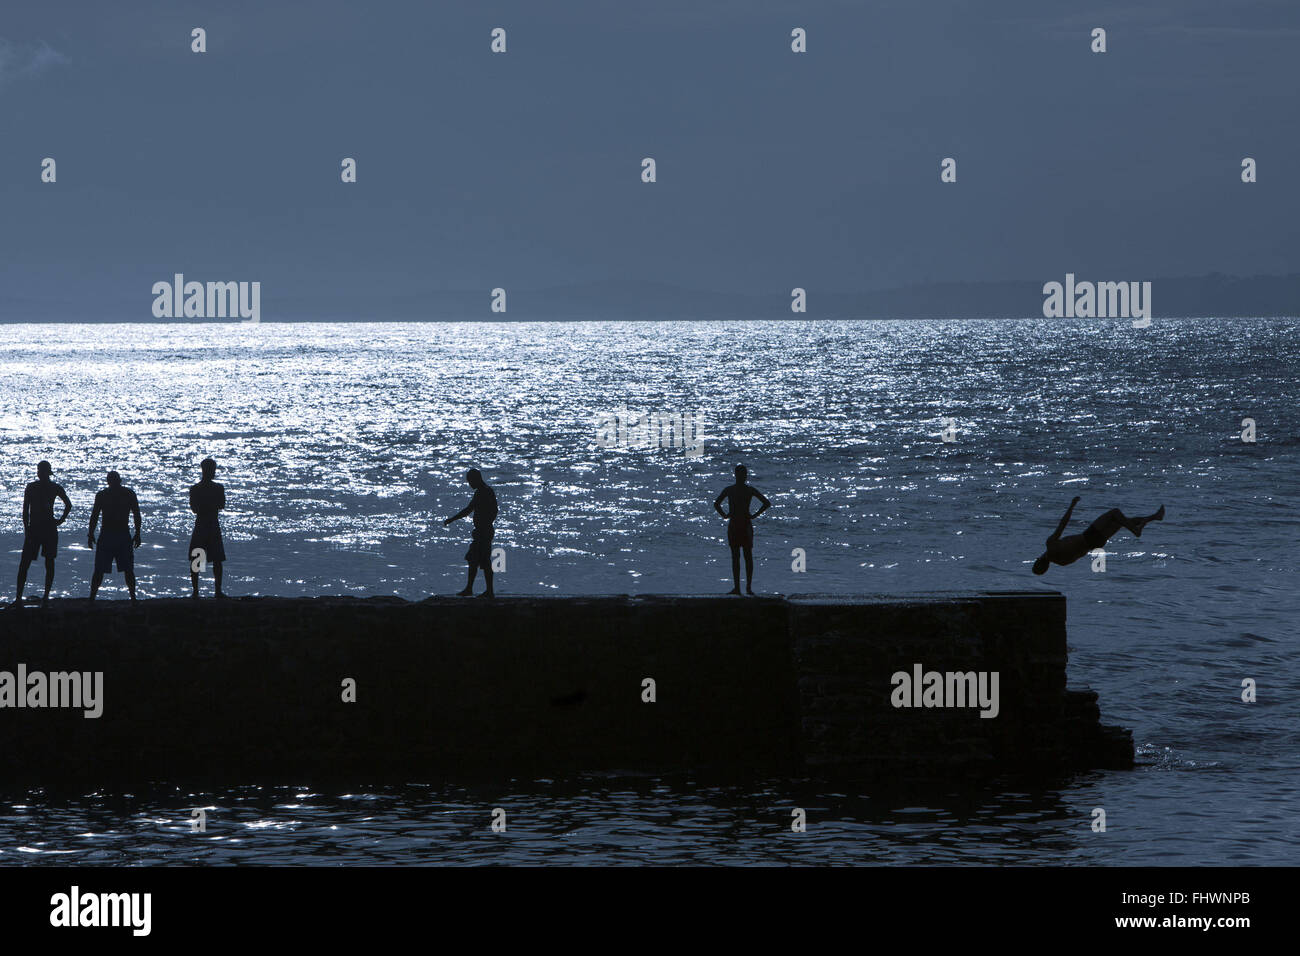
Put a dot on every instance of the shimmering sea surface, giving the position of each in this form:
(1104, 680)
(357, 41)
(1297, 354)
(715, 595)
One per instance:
(342, 446)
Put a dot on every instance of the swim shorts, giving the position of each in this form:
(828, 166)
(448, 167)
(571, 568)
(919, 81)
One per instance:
(40, 539)
(1094, 537)
(114, 546)
(740, 534)
(480, 548)
(207, 537)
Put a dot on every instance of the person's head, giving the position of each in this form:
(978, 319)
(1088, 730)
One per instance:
(208, 467)
(43, 470)
(114, 479)
(1042, 564)
(741, 473)
(474, 477)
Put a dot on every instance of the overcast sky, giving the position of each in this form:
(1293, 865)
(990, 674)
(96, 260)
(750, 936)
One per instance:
(523, 170)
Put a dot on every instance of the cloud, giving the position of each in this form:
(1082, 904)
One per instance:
(24, 60)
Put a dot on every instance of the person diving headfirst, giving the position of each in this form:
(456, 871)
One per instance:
(1070, 548)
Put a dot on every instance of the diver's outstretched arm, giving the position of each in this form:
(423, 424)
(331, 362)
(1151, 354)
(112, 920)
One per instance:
(1065, 520)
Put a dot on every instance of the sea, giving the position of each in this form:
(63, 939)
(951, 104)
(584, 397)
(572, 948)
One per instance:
(899, 457)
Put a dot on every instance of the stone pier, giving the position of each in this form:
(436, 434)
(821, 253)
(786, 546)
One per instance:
(253, 689)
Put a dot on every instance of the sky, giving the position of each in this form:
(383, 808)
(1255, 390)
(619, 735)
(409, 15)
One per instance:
(523, 170)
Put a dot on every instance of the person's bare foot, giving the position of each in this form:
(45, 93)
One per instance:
(749, 591)
(735, 591)
(465, 593)
(487, 594)
(1142, 522)
(221, 594)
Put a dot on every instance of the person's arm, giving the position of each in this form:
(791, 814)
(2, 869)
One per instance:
(765, 503)
(463, 513)
(27, 507)
(221, 497)
(94, 520)
(717, 504)
(67, 505)
(1065, 520)
(193, 507)
(135, 513)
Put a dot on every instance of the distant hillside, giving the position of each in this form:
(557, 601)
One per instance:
(1212, 295)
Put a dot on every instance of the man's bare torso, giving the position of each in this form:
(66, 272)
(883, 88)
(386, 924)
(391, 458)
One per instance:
(1067, 549)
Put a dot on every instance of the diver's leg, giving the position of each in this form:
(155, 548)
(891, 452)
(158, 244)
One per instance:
(216, 577)
(96, 580)
(1107, 525)
(1142, 522)
(749, 569)
(735, 568)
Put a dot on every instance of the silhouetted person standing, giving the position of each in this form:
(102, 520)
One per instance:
(483, 506)
(114, 504)
(1072, 547)
(207, 499)
(740, 525)
(40, 527)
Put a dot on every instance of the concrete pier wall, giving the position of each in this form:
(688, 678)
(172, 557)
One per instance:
(253, 688)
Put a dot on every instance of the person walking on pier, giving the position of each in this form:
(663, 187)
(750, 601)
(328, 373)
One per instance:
(207, 500)
(115, 504)
(483, 506)
(1072, 547)
(40, 527)
(740, 525)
